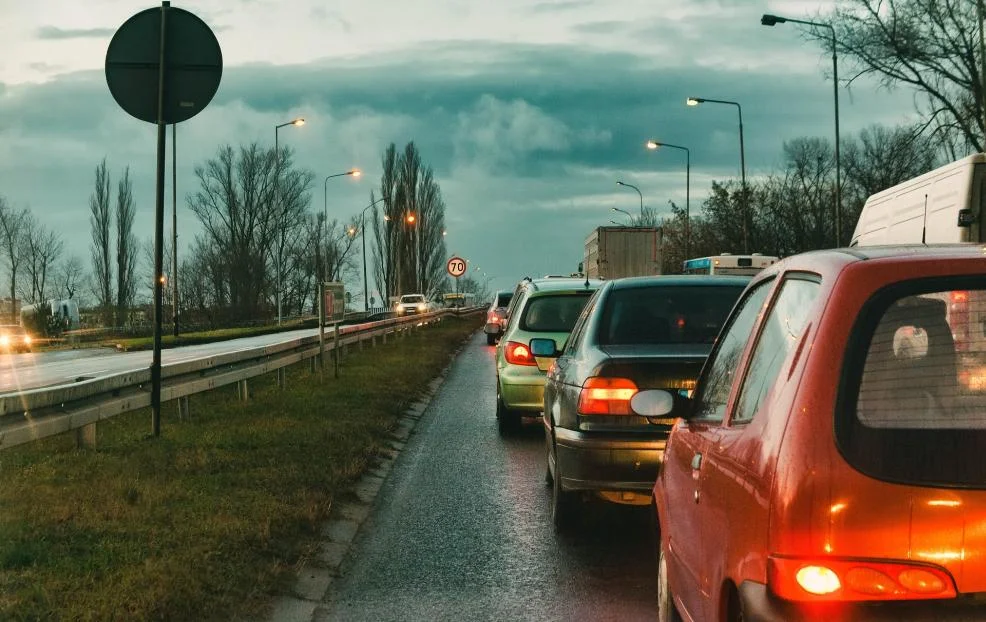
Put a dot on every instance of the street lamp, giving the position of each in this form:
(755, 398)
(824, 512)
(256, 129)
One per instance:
(412, 220)
(362, 225)
(771, 20)
(695, 101)
(277, 196)
(620, 183)
(653, 145)
(353, 172)
(622, 211)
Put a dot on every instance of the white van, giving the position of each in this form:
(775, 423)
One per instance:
(943, 206)
(939, 207)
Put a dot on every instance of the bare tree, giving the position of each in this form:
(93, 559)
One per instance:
(243, 220)
(12, 223)
(880, 158)
(126, 249)
(410, 249)
(41, 251)
(69, 275)
(100, 223)
(933, 46)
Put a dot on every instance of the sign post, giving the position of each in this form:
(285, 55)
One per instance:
(163, 66)
(333, 304)
(456, 267)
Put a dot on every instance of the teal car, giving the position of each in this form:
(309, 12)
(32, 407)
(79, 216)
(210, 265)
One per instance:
(540, 308)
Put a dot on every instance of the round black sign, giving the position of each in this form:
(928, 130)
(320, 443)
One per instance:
(193, 65)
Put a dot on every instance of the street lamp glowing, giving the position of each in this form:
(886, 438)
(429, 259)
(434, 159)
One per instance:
(653, 144)
(298, 122)
(444, 232)
(410, 219)
(355, 173)
(694, 101)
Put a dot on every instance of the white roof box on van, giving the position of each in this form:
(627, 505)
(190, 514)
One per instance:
(939, 207)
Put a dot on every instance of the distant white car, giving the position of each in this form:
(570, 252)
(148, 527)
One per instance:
(414, 304)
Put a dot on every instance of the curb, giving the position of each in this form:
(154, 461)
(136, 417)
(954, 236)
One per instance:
(348, 515)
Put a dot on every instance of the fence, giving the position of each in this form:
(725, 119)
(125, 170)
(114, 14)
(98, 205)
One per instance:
(39, 413)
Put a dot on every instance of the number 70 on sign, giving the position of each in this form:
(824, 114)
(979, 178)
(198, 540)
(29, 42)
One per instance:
(456, 266)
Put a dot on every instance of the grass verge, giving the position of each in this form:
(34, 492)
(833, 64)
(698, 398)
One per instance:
(207, 521)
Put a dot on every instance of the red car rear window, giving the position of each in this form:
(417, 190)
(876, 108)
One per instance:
(914, 393)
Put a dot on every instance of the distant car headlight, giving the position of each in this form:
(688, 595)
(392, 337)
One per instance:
(27, 339)
(422, 306)
(4, 340)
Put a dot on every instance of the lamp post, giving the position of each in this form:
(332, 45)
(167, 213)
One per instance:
(412, 220)
(362, 226)
(695, 101)
(174, 227)
(277, 197)
(355, 174)
(620, 183)
(772, 20)
(653, 145)
(622, 211)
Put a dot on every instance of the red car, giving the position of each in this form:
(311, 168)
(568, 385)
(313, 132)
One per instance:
(832, 462)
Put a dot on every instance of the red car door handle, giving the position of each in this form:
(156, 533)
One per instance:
(696, 462)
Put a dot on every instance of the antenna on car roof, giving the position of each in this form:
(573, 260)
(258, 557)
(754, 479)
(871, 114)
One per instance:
(924, 225)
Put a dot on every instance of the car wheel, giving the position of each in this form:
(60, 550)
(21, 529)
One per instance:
(563, 503)
(490, 339)
(548, 479)
(666, 611)
(507, 421)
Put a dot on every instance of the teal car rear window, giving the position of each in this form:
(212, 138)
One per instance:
(554, 313)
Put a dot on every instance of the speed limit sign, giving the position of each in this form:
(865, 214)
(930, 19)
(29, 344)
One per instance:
(456, 266)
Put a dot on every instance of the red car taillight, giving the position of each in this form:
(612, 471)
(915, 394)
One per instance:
(606, 396)
(842, 580)
(518, 354)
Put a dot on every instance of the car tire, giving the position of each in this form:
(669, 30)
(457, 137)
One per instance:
(666, 611)
(490, 339)
(548, 479)
(563, 504)
(507, 421)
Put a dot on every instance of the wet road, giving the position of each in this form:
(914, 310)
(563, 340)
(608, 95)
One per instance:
(462, 530)
(19, 372)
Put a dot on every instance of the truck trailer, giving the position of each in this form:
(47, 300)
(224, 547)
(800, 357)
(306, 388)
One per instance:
(618, 252)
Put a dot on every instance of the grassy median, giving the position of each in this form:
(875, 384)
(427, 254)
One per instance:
(207, 521)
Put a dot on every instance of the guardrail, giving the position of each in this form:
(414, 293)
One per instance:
(30, 415)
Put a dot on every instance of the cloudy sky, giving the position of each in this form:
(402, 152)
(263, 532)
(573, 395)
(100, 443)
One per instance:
(528, 110)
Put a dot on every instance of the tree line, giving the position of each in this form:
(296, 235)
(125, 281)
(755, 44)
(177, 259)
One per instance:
(791, 210)
(934, 48)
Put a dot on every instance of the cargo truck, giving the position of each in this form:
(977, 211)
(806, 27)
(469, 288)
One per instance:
(618, 252)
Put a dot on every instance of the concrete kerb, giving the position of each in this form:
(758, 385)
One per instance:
(313, 581)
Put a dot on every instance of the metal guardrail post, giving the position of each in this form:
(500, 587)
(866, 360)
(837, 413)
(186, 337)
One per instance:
(280, 377)
(184, 408)
(243, 389)
(85, 437)
(335, 350)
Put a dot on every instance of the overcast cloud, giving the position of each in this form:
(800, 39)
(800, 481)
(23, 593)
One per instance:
(528, 111)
